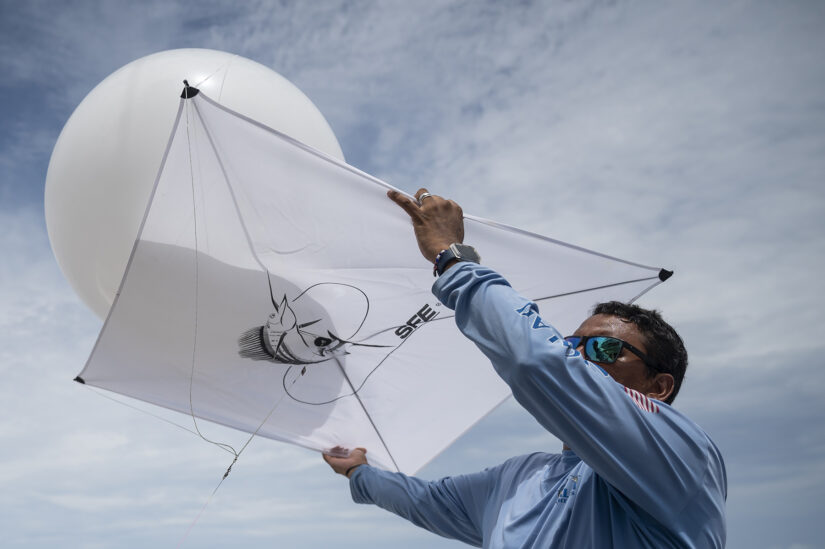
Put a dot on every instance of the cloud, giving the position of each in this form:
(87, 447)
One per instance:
(685, 135)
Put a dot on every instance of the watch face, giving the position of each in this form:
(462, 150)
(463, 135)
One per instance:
(466, 253)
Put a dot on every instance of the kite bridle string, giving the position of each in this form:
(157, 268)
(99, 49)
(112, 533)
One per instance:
(141, 410)
(195, 337)
(229, 469)
(222, 446)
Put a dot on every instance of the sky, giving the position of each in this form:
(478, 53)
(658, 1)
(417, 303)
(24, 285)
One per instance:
(684, 134)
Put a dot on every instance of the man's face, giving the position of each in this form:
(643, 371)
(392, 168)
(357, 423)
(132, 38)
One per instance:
(629, 369)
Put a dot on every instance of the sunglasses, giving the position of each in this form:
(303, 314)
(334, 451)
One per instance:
(606, 349)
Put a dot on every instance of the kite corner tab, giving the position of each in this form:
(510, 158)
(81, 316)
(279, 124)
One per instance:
(664, 274)
(188, 91)
(80, 380)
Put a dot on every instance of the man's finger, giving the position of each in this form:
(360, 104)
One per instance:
(421, 191)
(338, 452)
(408, 205)
(423, 194)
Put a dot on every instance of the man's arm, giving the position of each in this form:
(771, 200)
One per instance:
(452, 507)
(649, 452)
(644, 448)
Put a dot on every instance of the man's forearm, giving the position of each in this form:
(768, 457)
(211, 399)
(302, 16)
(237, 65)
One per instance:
(435, 506)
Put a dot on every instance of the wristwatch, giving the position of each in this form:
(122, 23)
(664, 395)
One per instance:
(457, 251)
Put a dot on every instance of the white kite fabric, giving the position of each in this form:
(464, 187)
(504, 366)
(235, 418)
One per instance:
(275, 289)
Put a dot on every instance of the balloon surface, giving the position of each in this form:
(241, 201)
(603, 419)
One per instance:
(106, 159)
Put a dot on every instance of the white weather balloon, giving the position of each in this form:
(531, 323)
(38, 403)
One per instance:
(107, 157)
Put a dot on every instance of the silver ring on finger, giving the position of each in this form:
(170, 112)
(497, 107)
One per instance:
(421, 198)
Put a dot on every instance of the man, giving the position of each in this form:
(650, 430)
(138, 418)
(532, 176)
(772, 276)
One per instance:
(633, 472)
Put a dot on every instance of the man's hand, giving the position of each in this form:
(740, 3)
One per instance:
(437, 222)
(345, 462)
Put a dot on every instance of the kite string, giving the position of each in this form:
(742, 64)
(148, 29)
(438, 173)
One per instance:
(216, 71)
(206, 504)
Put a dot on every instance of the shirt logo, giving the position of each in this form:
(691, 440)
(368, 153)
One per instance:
(569, 489)
(528, 312)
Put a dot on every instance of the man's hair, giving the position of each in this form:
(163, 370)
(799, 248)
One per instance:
(664, 346)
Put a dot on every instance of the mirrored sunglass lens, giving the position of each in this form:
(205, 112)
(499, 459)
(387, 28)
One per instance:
(603, 349)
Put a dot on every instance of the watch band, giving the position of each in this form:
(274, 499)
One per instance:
(457, 251)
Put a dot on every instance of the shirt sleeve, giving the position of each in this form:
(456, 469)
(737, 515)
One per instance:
(651, 453)
(452, 507)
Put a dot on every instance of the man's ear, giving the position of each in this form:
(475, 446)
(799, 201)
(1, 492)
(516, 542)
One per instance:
(660, 387)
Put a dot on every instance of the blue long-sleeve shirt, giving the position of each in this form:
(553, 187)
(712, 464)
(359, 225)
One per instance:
(640, 474)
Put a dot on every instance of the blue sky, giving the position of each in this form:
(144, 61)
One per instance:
(688, 135)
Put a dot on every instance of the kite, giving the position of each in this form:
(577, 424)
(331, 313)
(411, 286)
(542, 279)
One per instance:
(276, 290)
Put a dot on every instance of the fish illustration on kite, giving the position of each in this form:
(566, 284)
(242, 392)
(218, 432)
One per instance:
(296, 334)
